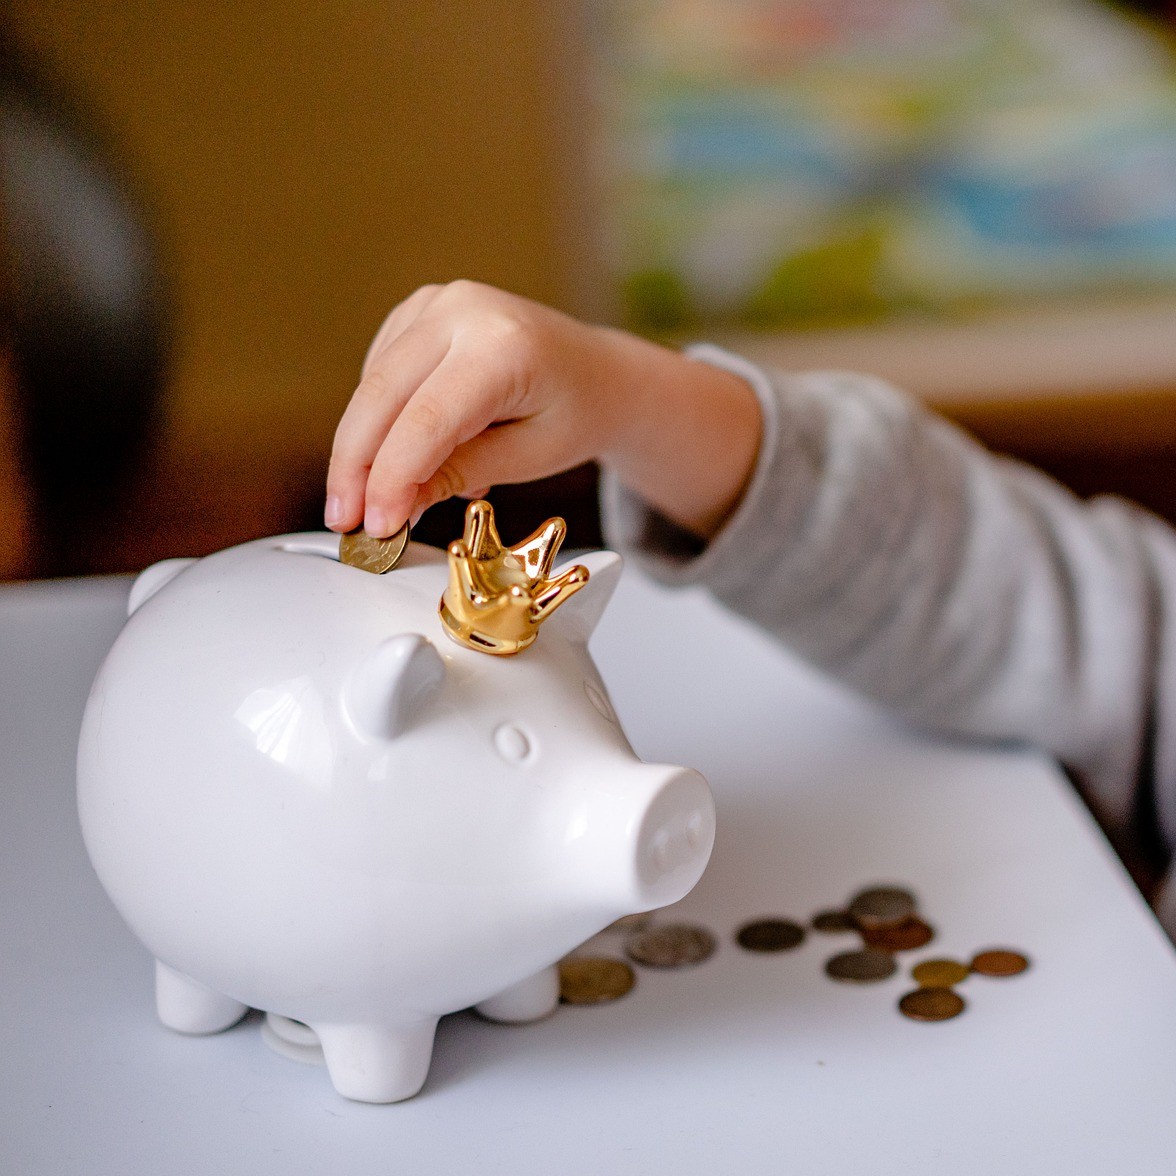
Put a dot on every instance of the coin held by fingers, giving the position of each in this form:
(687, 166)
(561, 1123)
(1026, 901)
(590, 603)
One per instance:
(358, 549)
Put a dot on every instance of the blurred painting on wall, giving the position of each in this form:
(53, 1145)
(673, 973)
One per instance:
(791, 163)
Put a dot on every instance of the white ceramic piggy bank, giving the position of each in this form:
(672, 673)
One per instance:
(304, 797)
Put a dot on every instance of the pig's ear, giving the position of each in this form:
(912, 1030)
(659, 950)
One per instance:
(392, 683)
(149, 582)
(579, 614)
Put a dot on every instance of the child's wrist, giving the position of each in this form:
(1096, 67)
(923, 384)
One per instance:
(686, 435)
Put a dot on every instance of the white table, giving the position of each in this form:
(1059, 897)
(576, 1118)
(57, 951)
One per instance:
(744, 1064)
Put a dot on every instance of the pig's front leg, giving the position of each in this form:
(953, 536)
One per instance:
(529, 1000)
(188, 1006)
(378, 1063)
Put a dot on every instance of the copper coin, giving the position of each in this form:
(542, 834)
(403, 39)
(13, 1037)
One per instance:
(593, 980)
(931, 1004)
(909, 935)
(358, 549)
(861, 967)
(770, 935)
(627, 924)
(940, 973)
(999, 961)
(882, 906)
(832, 922)
(672, 946)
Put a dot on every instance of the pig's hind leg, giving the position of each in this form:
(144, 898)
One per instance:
(378, 1063)
(187, 1006)
(529, 1000)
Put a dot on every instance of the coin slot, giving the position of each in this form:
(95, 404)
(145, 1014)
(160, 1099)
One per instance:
(325, 546)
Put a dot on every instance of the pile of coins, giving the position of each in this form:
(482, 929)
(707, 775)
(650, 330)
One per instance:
(888, 921)
(936, 998)
(588, 980)
(885, 917)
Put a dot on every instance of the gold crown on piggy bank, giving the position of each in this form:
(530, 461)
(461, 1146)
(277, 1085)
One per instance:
(499, 596)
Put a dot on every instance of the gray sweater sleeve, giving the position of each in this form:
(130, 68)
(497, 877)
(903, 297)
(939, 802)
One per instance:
(970, 593)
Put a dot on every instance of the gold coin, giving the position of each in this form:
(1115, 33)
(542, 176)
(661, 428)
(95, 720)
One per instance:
(672, 946)
(832, 922)
(882, 906)
(861, 967)
(770, 935)
(593, 980)
(358, 549)
(908, 935)
(940, 973)
(931, 1004)
(999, 961)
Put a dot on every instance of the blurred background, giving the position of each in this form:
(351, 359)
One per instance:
(207, 210)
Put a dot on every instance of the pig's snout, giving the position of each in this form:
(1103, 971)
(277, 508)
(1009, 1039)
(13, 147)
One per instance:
(638, 837)
(673, 840)
(641, 837)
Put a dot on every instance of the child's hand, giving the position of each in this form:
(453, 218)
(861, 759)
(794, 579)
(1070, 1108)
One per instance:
(466, 386)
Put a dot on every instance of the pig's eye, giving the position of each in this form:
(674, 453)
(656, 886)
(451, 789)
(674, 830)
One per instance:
(512, 743)
(598, 700)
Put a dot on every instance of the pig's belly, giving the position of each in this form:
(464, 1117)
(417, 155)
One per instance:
(290, 900)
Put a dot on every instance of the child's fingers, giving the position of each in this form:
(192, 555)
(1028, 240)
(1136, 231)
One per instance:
(472, 468)
(373, 409)
(399, 319)
(350, 457)
(457, 401)
(515, 451)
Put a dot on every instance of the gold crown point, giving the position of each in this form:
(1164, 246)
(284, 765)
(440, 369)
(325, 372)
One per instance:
(498, 596)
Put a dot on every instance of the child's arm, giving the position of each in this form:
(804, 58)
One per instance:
(465, 387)
(969, 593)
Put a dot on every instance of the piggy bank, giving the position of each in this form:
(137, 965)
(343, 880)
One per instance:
(311, 790)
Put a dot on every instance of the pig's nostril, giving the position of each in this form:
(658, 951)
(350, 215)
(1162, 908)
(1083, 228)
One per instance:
(694, 830)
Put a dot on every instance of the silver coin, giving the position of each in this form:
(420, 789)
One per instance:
(882, 906)
(671, 946)
(861, 967)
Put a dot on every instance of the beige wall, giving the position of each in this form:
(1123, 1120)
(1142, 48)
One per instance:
(312, 163)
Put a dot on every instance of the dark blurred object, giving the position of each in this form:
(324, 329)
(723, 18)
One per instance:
(1165, 9)
(88, 313)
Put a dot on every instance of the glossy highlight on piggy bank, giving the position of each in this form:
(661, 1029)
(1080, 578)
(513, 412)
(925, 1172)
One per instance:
(305, 794)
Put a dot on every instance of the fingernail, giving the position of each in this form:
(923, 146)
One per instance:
(375, 522)
(333, 511)
(416, 516)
